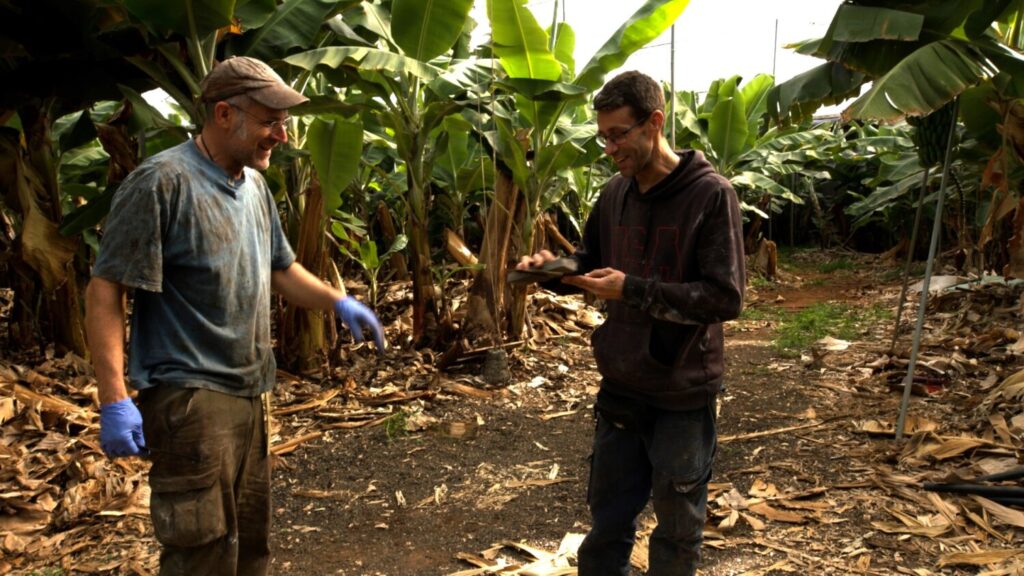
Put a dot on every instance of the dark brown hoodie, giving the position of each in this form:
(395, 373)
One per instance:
(681, 247)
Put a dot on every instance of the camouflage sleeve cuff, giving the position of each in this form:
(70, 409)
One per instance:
(634, 289)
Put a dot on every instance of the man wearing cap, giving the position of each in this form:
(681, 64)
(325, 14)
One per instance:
(194, 231)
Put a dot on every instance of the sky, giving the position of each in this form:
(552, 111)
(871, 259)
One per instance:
(714, 38)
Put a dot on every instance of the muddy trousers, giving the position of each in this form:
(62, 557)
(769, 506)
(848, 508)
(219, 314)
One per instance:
(210, 481)
(667, 461)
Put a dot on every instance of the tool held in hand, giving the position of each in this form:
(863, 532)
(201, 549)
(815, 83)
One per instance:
(550, 270)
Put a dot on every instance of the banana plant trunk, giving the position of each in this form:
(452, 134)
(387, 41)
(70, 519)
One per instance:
(485, 319)
(531, 241)
(63, 302)
(387, 225)
(303, 336)
(534, 240)
(425, 315)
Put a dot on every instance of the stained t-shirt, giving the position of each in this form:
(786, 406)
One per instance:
(198, 248)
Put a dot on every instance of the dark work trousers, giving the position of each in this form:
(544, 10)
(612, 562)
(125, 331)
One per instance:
(210, 481)
(667, 457)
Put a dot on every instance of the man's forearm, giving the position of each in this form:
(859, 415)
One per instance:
(300, 287)
(104, 327)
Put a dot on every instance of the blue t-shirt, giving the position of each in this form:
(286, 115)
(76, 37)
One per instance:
(199, 249)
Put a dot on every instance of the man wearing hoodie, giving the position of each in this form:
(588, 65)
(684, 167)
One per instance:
(664, 248)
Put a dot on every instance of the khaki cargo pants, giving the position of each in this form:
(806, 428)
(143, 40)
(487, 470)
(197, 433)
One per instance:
(210, 481)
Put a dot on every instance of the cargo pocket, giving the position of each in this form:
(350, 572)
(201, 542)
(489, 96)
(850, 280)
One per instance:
(188, 510)
(683, 449)
(689, 484)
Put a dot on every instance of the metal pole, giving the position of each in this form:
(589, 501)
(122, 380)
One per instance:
(672, 82)
(910, 258)
(775, 46)
(932, 250)
(554, 28)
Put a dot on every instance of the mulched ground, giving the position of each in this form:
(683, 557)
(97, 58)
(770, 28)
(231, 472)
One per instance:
(448, 474)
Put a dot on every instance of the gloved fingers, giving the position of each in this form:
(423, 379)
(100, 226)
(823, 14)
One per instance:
(357, 316)
(120, 447)
(357, 331)
(121, 428)
(378, 335)
(139, 439)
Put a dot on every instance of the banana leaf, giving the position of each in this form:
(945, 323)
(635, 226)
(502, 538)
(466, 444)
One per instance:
(372, 18)
(510, 151)
(556, 158)
(425, 30)
(756, 181)
(336, 146)
(792, 139)
(719, 88)
(88, 215)
(755, 95)
(457, 148)
(981, 20)
(364, 59)
(854, 23)
(896, 169)
(884, 197)
(81, 131)
(543, 90)
(646, 24)
(800, 96)
(565, 47)
(294, 24)
(728, 130)
(923, 82)
(165, 17)
(254, 13)
(320, 104)
(520, 42)
(346, 33)
(978, 116)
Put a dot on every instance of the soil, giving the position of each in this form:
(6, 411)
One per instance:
(462, 472)
(410, 503)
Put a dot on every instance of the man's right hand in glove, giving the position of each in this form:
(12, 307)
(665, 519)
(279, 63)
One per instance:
(121, 429)
(354, 314)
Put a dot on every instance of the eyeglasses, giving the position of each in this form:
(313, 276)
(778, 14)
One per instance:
(618, 136)
(272, 125)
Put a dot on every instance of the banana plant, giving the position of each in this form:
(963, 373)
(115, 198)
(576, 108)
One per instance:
(918, 56)
(463, 172)
(334, 147)
(413, 82)
(63, 57)
(729, 127)
(365, 253)
(581, 196)
(537, 139)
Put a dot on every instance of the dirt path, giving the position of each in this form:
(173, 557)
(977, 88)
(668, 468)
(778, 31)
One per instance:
(462, 475)
(795, 488)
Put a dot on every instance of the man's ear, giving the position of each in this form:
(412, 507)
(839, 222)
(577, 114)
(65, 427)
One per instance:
(658, 119)
(222, 114)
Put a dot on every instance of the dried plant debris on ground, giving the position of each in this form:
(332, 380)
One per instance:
(390, 466)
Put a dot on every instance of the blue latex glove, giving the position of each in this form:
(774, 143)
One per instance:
(355, 315)
(121, 429)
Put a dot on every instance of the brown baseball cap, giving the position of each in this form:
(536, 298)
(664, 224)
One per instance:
(252, 77)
